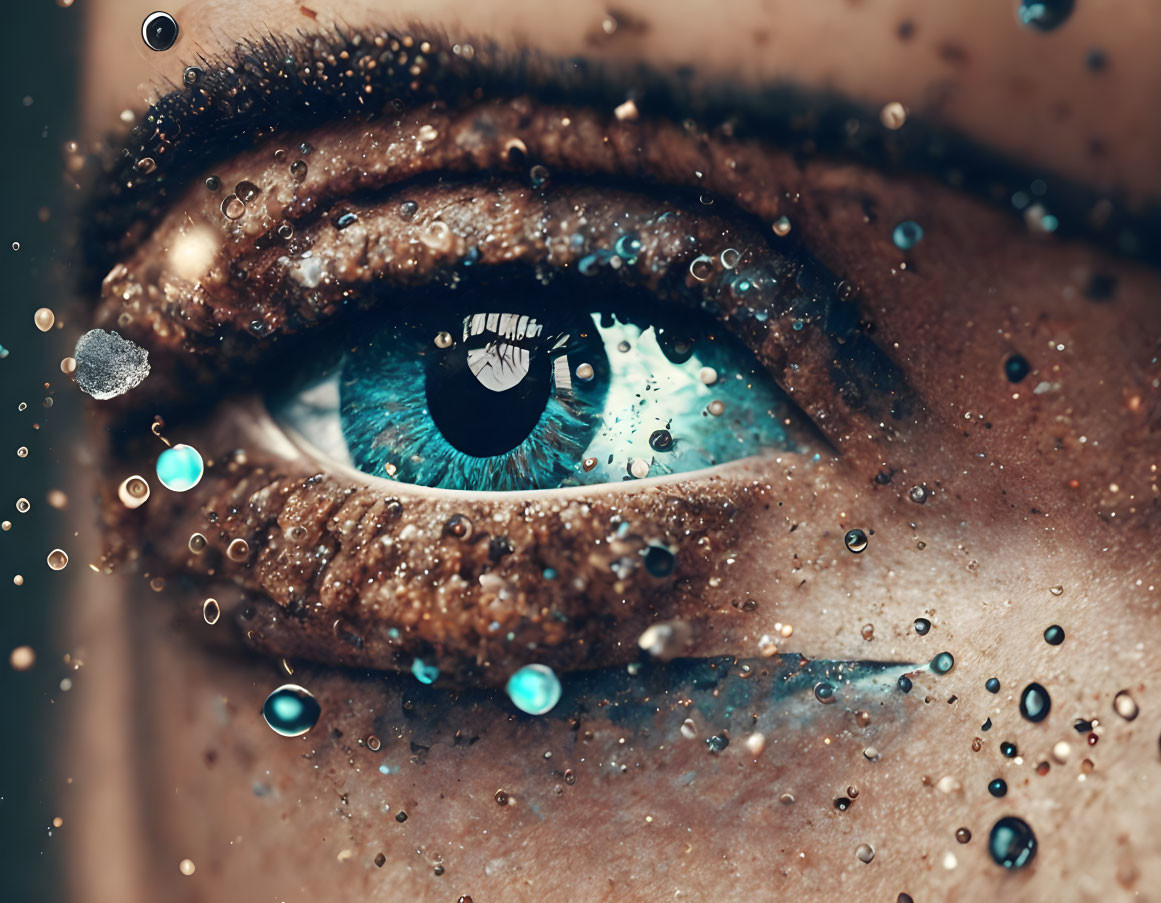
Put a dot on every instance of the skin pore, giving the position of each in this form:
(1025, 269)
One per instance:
(1038, 508)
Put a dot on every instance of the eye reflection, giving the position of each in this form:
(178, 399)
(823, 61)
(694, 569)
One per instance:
(502, 394)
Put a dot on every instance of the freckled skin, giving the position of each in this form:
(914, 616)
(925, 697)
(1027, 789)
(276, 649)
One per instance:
(1015, 508)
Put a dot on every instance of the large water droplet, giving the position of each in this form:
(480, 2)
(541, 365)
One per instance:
(1044, 15)
(856, 540)
(180, 468)
(534, 689)
(57, 559)
(907, 235)
(1035, 702)
(291, 710)
(1012, 843)
(943, 663)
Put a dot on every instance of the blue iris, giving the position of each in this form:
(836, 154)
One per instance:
(494, 399)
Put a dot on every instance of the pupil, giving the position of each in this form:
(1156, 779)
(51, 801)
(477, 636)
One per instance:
(487, 393)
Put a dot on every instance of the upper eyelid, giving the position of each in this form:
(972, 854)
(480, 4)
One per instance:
(190, 128)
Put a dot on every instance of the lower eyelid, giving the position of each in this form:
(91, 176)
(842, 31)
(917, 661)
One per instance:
(344, 568)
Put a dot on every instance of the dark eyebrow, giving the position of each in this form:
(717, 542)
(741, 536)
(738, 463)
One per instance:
(295, 83)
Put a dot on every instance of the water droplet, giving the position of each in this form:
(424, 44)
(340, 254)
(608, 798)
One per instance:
(922, 625)
(133, 491)
(534, 689)
(905, 683)
(865, 852)
(44, 318)
(1035, 702)
(22, 452)
(701, 267)
(424, 673)
(1016, 368)
(867, 631)
(659, 561)
(159, 31)
(57, 559)
(246, 191)
(213, 183)
(1012, 843)
(1054, 635)
(998, 787)
(298, 170)
(943, 663)
(186, 867)
(893, 115)
(191, 75)
(917, 494)
(1044, 15)
(197, 543)
(238, 550)
(539, 175)
(963, 835)
(842, 803)
(459, 526)
(401, 816)
(211, 611)
(855, 540)
(824, 692)
(145, 165)
(180, 468)
(781, 227)
(716, 743)
(1008, 749)
(1125, 705)
(907, 235)
(22, 506)
(628, 246)
(427, 132)
(232, 207)
(291, 710)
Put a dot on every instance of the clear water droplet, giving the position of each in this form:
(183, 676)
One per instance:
(1035, 703)
(534, 689)
(180, 468)
(855, 540)
(1012, 842)
(211, 611)
(291, 710)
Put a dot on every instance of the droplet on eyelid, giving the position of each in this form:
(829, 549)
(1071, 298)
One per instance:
(907, 235)
(211, 611)
(824, 692)
(943, 663)
(781, 227)
(639, 468)
(459, 526)
(918, 494)
(159, 31)
(922, 626)
(232, 207)
(180, 468)
(298, 170)
(197, 543)
(145, 165)
(291, 710)
(730, 258)
(661, 440)
(191, 75)
(534, 689)
(246, 191)
(133, 492)
(855, 540)
(1125, 705)
(437, 236)
(1012, 842)
(238, 550)
(701, 267)
(1035, 703)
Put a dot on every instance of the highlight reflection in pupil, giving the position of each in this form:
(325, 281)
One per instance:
(515, 399)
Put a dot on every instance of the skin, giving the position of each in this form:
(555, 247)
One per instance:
(1030, 491)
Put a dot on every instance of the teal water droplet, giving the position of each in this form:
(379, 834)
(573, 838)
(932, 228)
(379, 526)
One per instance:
(1044, 15)
(907, 235)
(1008, 749)
(855, 540)
(291, 710)
(180, 468)
(992, 685)
(1035, 703)
(824, 692)
(1012, 842)
(998, 787)
(943, 663)
(628, 246)
(1054, 635)
(905, 683)
(424, 673)
(534, 689)
(922, 625)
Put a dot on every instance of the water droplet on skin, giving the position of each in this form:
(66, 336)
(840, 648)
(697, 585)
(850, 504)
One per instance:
(1035, 703)
(57, 559)
(401, 816)
(238, 550)
(1056, 590)
(659, 561)
(943, 663)
(963, 835)
(701, 267)
(922, 625)
(917, 494)
(998, 787)
(905, 683)
(781, 227)
(717, 407)
(424, 673)
(730, 258)
(459, 526)
(1016, 368)
(824, 692)
(867, 632)
(1008, 749)
(842, 804)
(855, 540)
(291, 710)
(186, 867)
(865, 852)
(44, 318)
(717, 743)
(1054, 635)
(628, 246)
(180, 468)
(1012, 843)
(213, 183)
(534, 689)
(539, 175)
(907, 235)
(1044, 15)
(232, 207)
(298, 170)
(145, 165)
(159, 31)
(197, 543)
(191, 75)
(1125, 705)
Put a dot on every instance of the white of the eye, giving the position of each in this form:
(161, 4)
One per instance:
(315, 414)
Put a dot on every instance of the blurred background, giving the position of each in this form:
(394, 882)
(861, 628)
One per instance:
(37, 98)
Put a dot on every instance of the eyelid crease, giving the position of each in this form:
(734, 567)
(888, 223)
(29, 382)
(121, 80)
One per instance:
(282, 83)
